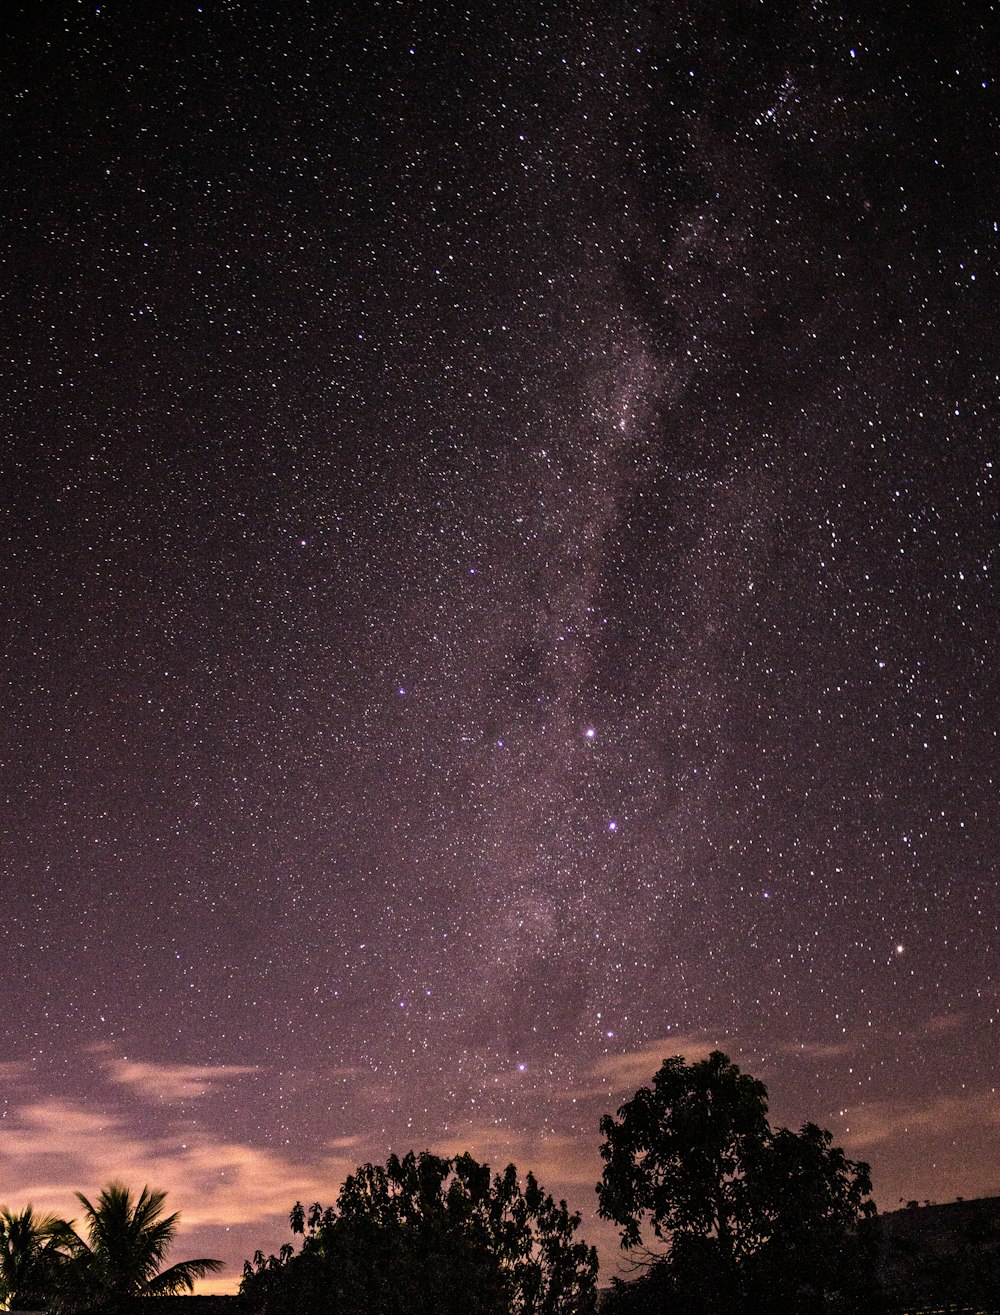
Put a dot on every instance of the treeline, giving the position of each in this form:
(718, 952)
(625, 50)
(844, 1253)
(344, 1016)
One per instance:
(719, 1213)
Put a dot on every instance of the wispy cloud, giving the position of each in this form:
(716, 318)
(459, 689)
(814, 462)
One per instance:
(173, 1082)
(14, 1070)
(947, 1022)
(633, 1069)
(556, 1159)
(51, 1148)
(943, 1117)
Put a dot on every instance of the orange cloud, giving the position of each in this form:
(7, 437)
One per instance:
(14, 1070)
(635, 1069)
(557, 1160)
(946, 1022)
(943, 1117)
(53, 1147)
(173, 1082)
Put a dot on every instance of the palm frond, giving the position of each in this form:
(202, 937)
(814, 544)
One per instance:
(181, 1277)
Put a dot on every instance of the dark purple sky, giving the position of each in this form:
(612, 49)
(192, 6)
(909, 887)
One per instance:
(499, 576)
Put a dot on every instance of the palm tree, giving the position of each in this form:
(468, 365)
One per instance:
(31, 1257)
(127, 1241)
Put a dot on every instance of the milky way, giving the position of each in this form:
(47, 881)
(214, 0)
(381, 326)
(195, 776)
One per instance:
(499, 557)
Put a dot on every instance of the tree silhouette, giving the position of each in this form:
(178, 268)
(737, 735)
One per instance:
(732, 1215)
(123, 1254)
(32, 1256)
(430, 1236)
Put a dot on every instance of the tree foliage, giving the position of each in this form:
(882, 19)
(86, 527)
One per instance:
(424, 1234)
(45, 1264)
(123, 1253)
(734, 1215)
(32, 1257)
(675, 1157)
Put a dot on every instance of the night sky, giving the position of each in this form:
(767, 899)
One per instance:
(499, 586)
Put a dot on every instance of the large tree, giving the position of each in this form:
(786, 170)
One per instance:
(731, 1214)
(430, 1236)
(123, 1253)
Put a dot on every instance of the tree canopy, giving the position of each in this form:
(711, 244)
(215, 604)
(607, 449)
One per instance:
(425, 1234)
(732, 1214)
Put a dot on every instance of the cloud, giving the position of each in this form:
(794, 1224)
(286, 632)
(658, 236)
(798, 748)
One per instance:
(557, 1160)
(51, 1148)
(344, 1143)
(627, 1072)
(14, 1070)
(946, 1117)
(946, 1022)
(173, 1082)
(937, 1148)
(233, 1190)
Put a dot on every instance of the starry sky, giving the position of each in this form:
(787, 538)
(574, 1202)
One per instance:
(499, 586)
